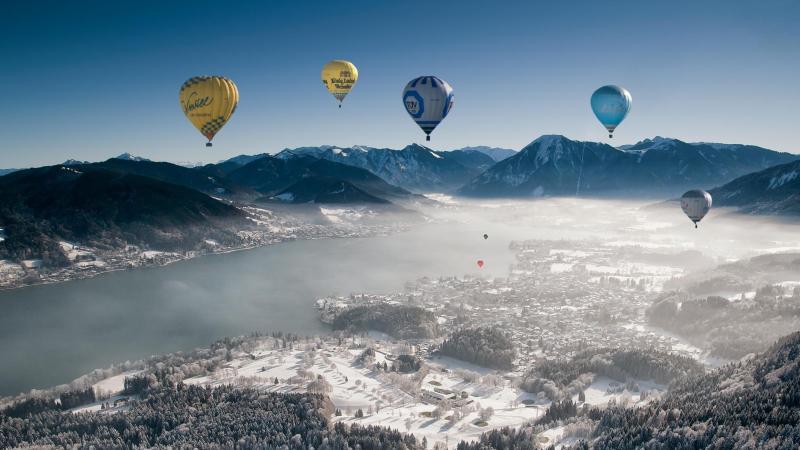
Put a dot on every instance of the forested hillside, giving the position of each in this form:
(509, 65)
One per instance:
(559, 379)
(753, 404)
(486, 347)
(105, 209)
(402, 322)
(196, 417)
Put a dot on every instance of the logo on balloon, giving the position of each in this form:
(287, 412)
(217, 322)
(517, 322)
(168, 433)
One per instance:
(414, 104)
(194, 102)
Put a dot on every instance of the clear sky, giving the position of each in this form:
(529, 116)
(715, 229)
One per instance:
(90, 80)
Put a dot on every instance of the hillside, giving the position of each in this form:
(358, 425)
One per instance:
(218, 416)
(488, 347)
(496, 153)
(325, 190)
(744, 405)
(271, 176)
(166, 172)
(401, 322)
(105, 209)
(223, 168)
(775, 190)
(755, 404)
(553, 165)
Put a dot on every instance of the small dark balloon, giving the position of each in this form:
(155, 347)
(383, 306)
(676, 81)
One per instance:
(486, 236)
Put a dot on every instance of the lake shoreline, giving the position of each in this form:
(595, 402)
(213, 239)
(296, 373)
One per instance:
(168, 258)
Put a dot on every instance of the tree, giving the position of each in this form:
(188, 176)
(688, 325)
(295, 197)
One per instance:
(486, 413)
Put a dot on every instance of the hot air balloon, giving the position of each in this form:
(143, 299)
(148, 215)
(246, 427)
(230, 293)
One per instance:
(209, 102)
(339, 77)
(428, 99)
(611, 104)
(696, 204)
(480, 263)
(486, 236)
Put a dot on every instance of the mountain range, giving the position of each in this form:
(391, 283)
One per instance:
(554, 165)
(415, 167)
(164, 205)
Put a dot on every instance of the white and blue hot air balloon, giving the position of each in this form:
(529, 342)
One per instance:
(428, 99)
(696, 204)
(611, 104)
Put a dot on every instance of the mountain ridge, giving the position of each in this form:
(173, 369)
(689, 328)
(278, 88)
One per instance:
(556, 165)
(773, 191)
(103, 208)
(415, 167)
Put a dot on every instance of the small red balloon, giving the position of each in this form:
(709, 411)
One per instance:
(480, 263)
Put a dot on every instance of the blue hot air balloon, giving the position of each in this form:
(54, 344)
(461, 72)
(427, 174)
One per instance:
(428, 100)
(611, 104)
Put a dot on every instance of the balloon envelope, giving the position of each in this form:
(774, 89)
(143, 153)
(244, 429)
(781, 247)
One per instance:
(696, 204)
(339, 77)
(611, 104)
(209, 102)
(486, 236)
(428, 100)
(480, 263)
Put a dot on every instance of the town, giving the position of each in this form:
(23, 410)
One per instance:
(560, 297)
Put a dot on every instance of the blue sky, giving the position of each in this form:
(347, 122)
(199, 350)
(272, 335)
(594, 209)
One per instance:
(90, 80)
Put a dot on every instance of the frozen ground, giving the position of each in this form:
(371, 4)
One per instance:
(386, 400)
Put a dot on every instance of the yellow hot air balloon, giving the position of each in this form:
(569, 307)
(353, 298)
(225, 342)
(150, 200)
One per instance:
(339, 76)
(209, 102)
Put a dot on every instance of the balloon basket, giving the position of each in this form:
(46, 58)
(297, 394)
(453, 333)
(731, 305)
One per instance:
(427, 138)
(208, 144)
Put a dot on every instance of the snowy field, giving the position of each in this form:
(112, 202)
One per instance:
(395, 400)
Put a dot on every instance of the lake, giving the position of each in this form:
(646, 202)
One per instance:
(51, 334)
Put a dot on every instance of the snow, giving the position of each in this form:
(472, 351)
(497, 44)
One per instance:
(73, 252)
(560, 267)
(113, 385)
(435, 155)
(8, 267)
(32, 263)
(70, 169)
(442, 198)
(286, 197)
(779, 181)
(568, 252)
(749, 295)
(354, 387)
(597, 394)
(344, 215)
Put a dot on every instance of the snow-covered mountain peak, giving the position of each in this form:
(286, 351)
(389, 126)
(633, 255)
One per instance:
(549, 147)
(128, 157)
(549, 140)
(416, 147)
(74, 162)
